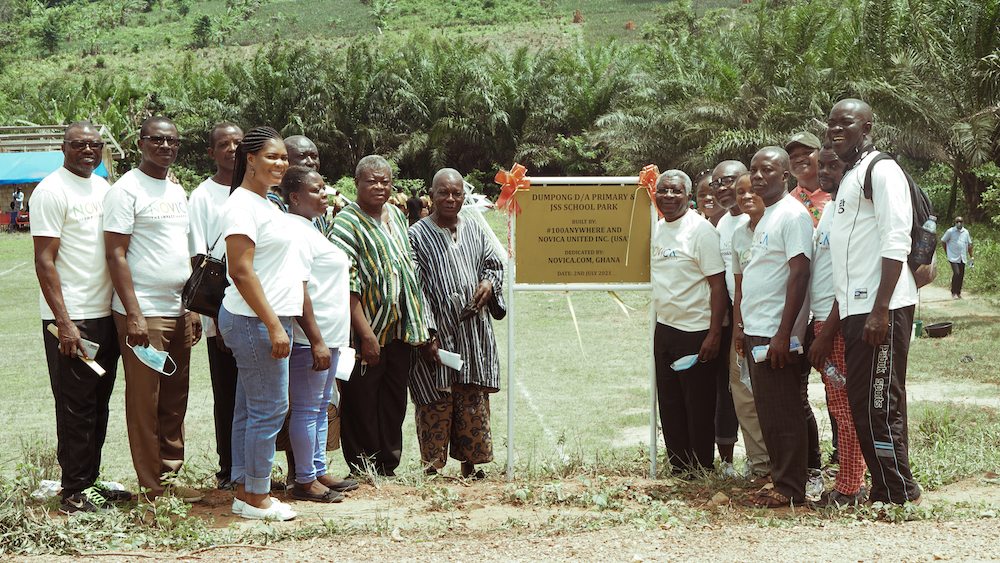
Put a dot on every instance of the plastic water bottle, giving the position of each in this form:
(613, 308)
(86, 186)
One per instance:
(924, 245)
(834, 376)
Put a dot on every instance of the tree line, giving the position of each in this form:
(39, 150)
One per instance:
(695, 90)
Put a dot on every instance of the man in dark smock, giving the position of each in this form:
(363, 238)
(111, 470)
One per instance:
(461, 276)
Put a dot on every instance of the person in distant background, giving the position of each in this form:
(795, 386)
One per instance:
(957, 243)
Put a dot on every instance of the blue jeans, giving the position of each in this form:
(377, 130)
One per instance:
(261, 398)
(309, 395)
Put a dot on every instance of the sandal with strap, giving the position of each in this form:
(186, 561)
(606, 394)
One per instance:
(770, 498)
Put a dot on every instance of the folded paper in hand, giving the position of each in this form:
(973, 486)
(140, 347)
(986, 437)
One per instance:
(89, 350)
(345, 363)
(451, 359)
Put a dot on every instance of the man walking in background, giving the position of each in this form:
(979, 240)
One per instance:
(957, 243)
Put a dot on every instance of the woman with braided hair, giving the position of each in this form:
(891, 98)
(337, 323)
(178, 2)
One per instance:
(267, 290)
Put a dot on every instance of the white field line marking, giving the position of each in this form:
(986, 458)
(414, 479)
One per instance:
(541, 420)
(9, 270)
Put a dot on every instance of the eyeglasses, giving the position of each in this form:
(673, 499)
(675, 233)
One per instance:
(669, 191)
(723, 181)
(79, 145)
(159, 140)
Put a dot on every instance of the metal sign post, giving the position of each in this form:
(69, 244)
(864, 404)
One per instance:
(539, 183)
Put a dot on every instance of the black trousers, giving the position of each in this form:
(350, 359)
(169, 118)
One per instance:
(876, 391)
(372, 409)
(778, 396)
(726, 424)
(957, 277)
(686, 399)
(222, 367)
(81, 398)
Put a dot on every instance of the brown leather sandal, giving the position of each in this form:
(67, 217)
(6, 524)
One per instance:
(770, 498)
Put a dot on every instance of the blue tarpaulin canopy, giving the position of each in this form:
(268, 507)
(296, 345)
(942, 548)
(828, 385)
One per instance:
(27, 167)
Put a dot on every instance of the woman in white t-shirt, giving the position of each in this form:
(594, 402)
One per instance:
(267, 290)
(318, 336)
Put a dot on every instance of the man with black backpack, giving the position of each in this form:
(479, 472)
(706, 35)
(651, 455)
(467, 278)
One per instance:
(870, 243)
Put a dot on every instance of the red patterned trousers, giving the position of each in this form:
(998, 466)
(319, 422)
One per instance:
(851, 475)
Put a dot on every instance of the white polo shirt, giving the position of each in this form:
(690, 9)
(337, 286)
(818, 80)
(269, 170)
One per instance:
(154, 213)
(71, 209)
(684, 253)
(726, 227)
(277, 258)
(784, 232)
(821, 292)
(329, 285)
(205, 213)
(865, 231)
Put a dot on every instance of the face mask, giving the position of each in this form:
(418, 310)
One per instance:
(153, 358)
(684, 363)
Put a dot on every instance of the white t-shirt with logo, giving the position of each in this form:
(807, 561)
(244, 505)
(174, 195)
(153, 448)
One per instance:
(205, 212)
(821, 292)
(784, 232)
(71, 209)
(277, 260)
(867, 230)
(684, 253)
(329, 285)
(154, 213)
(726, 227)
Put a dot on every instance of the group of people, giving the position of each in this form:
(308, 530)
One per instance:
(344, 314)
(769, 282)
(348, 310)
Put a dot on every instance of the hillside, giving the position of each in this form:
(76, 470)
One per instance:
(150, 36)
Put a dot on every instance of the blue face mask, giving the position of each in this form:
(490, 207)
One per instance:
(153, 358)
(684, 363)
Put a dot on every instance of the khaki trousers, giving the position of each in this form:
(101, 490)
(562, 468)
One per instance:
(155, 404)
(746, 414)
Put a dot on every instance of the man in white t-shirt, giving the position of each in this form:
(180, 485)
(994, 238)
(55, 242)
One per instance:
(773, 289)
(204, 210)
(76, 299)
(957, 244)
(689, 297)
(730, 387)
(876, 295)
(145, 236)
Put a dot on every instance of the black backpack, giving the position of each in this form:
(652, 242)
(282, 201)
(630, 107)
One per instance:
(922, 208)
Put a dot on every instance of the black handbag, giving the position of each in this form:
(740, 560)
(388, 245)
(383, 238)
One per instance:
(205, 288)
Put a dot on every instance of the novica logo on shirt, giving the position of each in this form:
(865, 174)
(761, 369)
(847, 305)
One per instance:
(665, 252)
(85, 211)
(162, 209)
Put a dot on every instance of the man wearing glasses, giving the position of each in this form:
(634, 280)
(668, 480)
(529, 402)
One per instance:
(66, 226)
(145, 234)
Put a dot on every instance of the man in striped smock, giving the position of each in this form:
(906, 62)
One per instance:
(461, 275)
(387, 319)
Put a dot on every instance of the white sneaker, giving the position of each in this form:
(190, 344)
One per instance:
(278, 511)
(815, 485)
(727, 471)
(238, 506)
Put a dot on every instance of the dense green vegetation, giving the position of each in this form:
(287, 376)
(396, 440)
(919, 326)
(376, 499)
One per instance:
(478, 85)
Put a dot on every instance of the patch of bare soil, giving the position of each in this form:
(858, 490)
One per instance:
(452, 520)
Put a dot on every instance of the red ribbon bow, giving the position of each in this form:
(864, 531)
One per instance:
(647, 179)
(510, 183)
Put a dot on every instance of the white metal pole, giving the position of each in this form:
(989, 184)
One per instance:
(652, 359)
(511, 267)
